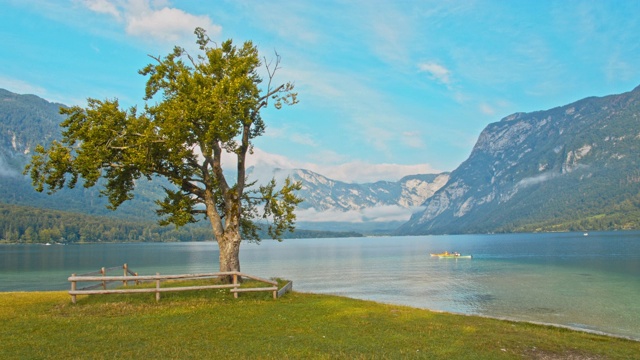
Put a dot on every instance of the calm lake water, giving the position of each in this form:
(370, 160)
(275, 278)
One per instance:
(588, 282)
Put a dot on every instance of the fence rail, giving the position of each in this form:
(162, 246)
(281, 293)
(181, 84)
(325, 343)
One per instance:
(131, 276)
(103, 281)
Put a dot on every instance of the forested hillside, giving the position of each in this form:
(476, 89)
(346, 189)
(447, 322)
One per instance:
(574, 167)
(26, 121)
(21, 224)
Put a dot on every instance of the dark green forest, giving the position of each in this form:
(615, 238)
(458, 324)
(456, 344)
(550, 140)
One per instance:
(27, 225)
(610, 200)
(621, 216)
(22, 224)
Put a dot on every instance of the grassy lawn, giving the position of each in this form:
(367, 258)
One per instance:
(211, 324)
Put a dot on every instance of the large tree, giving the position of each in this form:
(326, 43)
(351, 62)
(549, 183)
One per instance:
(203, 107)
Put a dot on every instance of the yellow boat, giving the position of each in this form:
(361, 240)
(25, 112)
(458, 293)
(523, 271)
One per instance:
(453, 255)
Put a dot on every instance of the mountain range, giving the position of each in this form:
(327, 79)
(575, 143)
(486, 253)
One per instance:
(371, 208)
(573, 167)
(27, 120)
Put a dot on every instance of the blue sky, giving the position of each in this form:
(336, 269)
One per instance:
(386, 88)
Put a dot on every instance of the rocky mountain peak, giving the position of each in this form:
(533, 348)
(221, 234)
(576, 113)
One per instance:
(524, 164)
(325, 194)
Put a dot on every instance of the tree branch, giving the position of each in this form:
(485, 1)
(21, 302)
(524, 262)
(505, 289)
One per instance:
(217, 168)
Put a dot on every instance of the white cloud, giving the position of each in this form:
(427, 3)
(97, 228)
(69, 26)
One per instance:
(362, 172)
(533, 180)
(387, 213)
(260, 157)
(168, 24)
(349, 172)
(153, 20)
(375, 214)
(436, 71)
(313, 215)
(103, 7)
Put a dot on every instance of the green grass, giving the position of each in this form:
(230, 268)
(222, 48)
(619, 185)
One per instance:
(211, 324)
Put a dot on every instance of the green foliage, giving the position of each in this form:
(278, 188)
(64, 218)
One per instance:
(202, 108)
(279, 206)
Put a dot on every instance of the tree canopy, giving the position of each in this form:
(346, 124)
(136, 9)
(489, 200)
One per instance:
(196, 110)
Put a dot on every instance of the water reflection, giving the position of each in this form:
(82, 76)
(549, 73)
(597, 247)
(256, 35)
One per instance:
(565, 279)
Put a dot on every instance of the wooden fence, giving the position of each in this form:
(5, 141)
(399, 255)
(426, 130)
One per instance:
(128, 276)
(103, 282)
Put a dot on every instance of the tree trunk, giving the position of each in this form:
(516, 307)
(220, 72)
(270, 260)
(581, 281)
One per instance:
(229, 245)
(227, 234)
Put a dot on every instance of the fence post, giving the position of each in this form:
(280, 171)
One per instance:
(235, 285)
(125, 282)
(104, 283)
(73, 288)
(157, 287)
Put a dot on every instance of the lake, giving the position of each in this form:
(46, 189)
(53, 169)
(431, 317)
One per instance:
(587, 282)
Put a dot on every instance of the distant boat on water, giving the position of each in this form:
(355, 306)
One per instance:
(453, 255)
